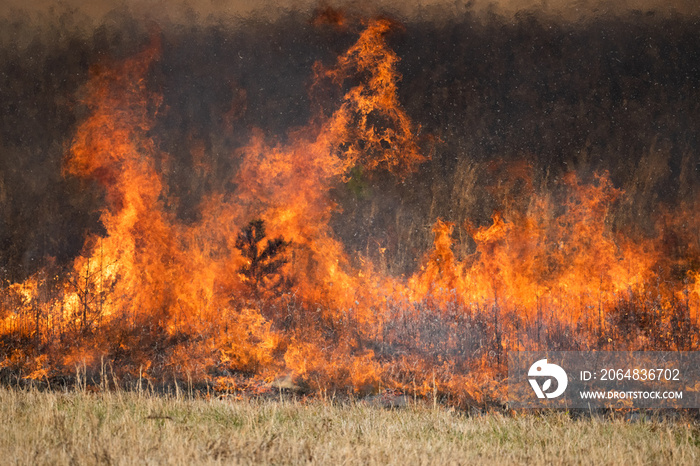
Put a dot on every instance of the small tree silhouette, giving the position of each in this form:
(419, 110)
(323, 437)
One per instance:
(262, 270)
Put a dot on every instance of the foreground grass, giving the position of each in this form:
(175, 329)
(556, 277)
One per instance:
(125, 428)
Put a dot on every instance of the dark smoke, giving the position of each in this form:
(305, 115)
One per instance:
(617, 93)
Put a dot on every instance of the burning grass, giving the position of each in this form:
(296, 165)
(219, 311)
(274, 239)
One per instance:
(258, 284)
(76, 427)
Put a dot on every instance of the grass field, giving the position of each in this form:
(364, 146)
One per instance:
(128, 428)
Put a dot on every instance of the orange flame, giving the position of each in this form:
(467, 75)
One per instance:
(156, 296)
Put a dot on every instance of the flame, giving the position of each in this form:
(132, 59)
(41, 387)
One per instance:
(159, 297)
(572, 260)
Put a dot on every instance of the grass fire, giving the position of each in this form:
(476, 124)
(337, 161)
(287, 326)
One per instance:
(344, 202)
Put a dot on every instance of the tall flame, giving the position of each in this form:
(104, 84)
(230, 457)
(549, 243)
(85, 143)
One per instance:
(260, 285)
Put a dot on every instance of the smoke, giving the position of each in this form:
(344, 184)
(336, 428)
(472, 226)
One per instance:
(613, 92)
(218, 11)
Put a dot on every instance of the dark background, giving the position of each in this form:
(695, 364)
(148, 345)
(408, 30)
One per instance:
(503, 103)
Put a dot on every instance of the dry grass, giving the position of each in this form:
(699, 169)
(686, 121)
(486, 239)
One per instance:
(126, 428)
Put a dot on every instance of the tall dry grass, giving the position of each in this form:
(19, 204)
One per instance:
(131, 428)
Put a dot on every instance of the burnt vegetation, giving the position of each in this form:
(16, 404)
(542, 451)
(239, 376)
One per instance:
(263, 262)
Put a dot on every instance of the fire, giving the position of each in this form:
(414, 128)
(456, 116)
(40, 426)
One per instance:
(572, 260)
(261, 286)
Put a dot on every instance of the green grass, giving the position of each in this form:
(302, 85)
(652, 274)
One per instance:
(128, 428)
